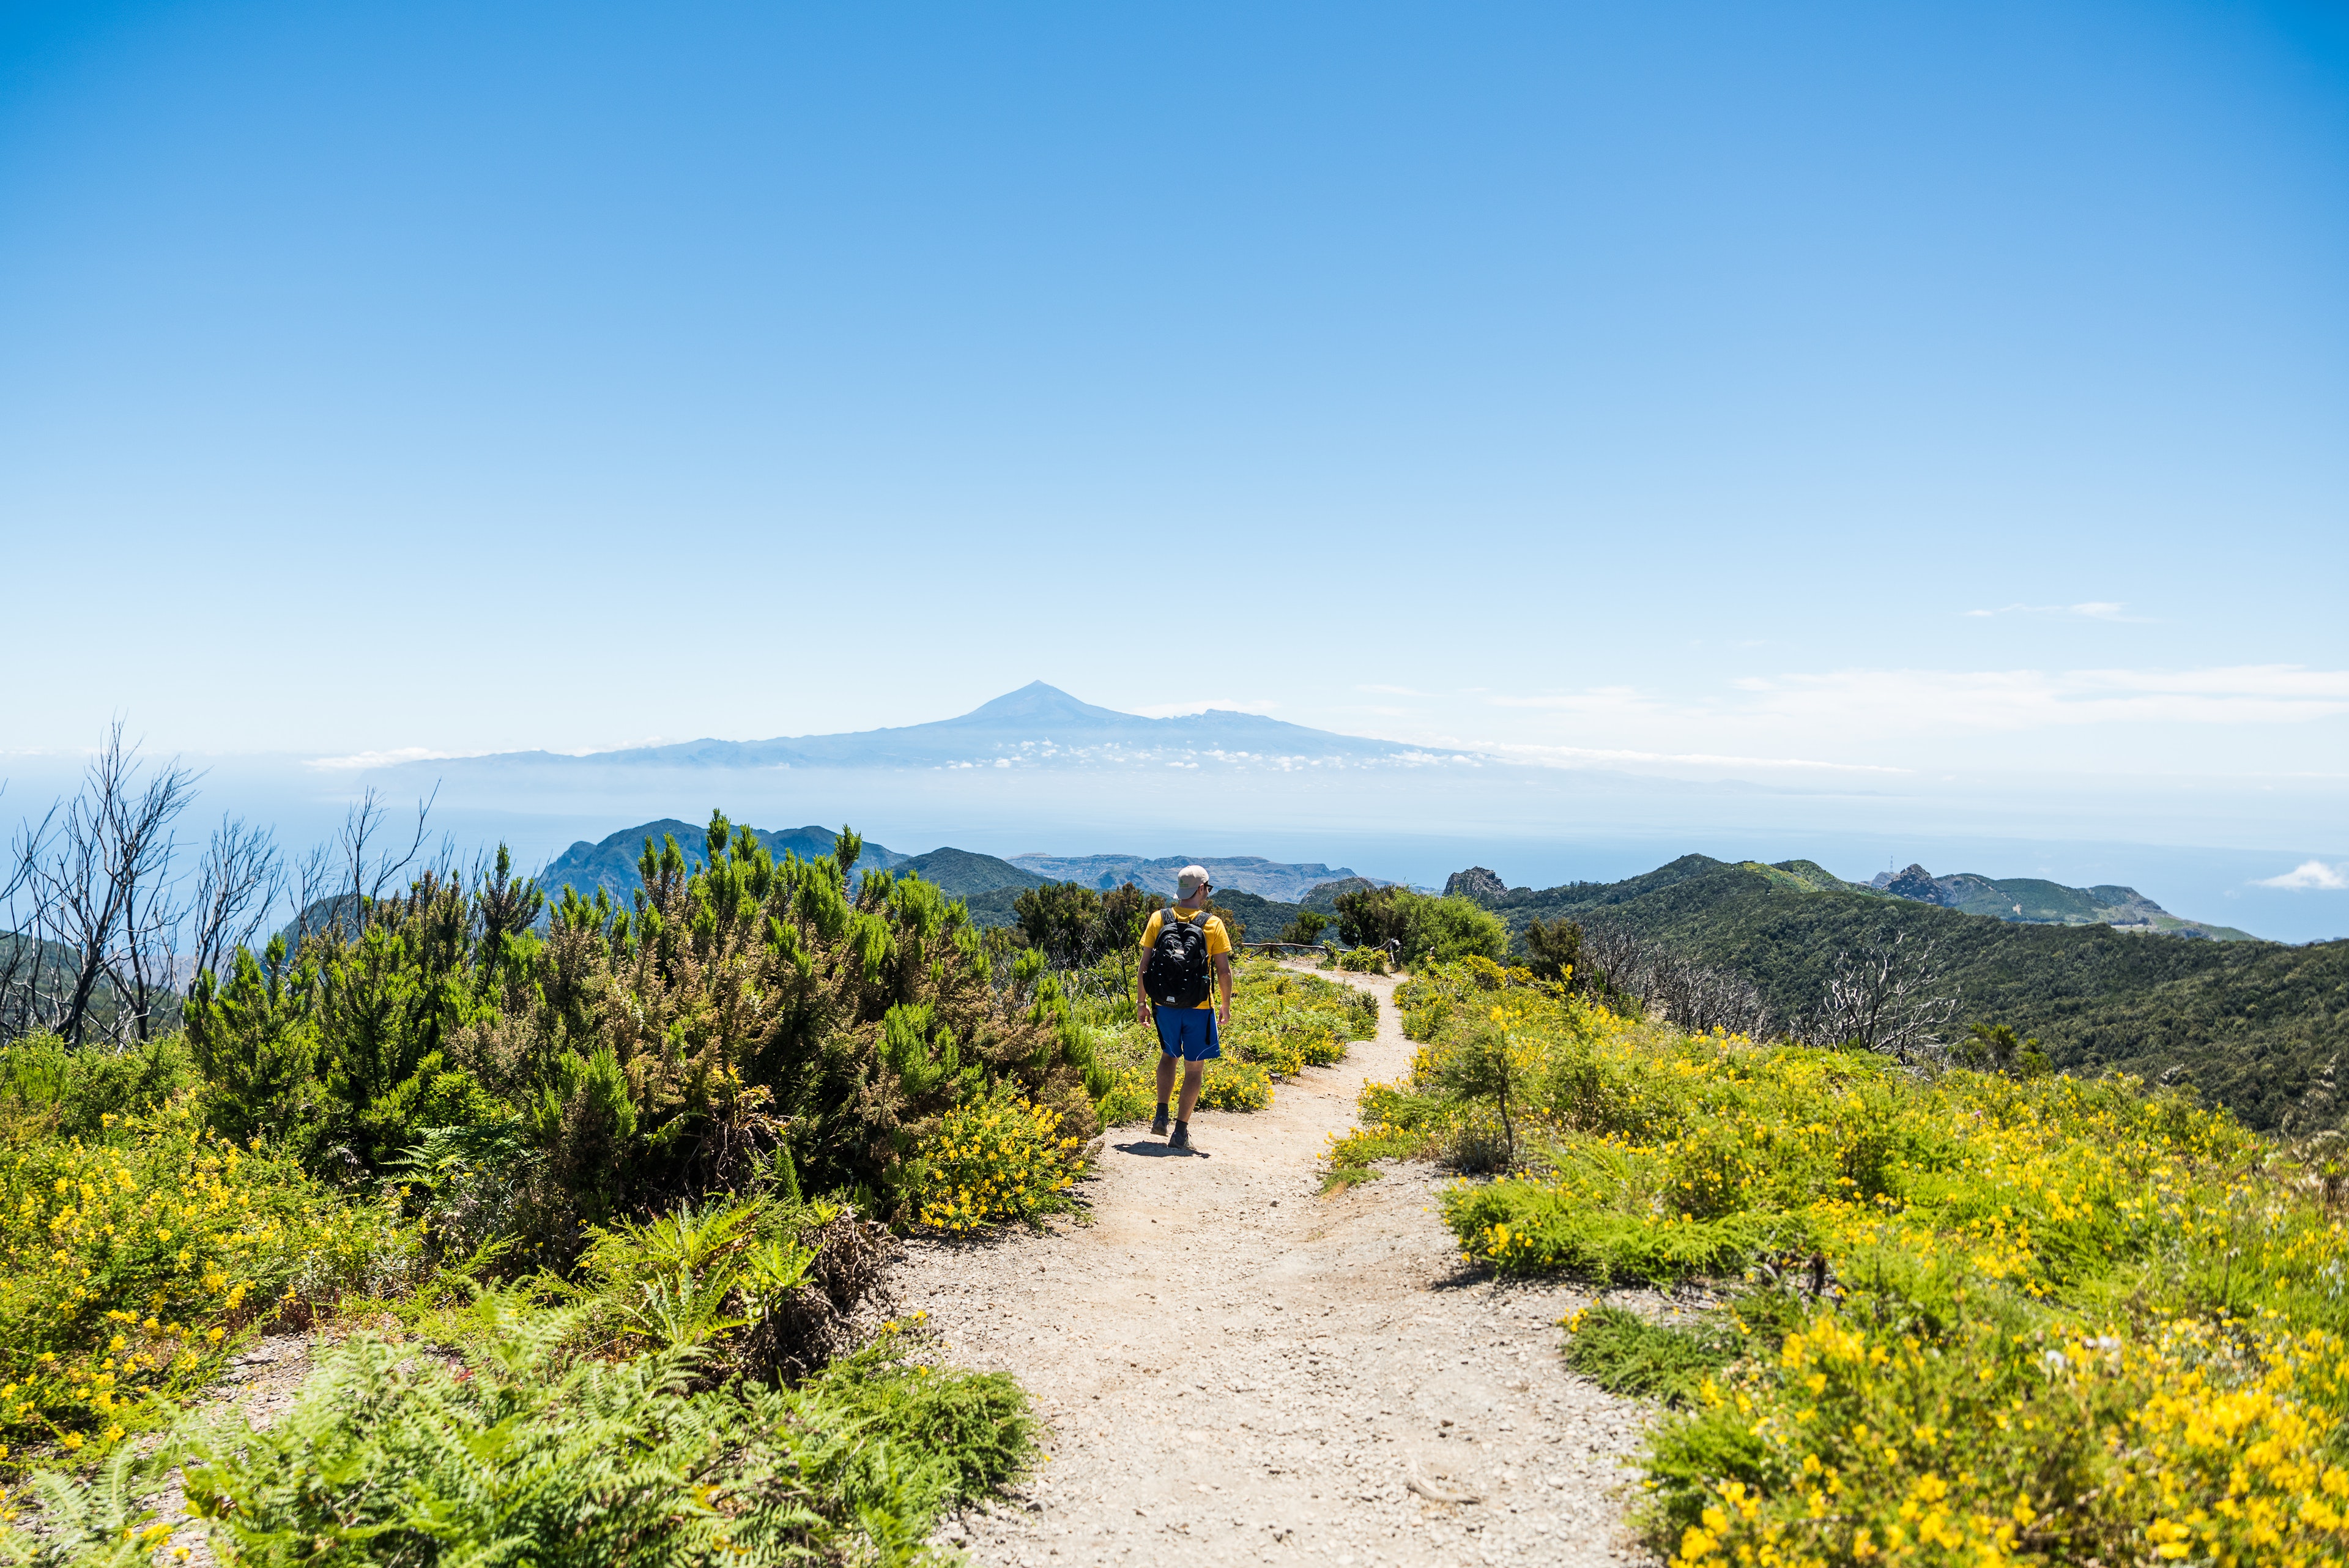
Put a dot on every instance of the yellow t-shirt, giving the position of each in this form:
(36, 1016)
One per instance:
(1219, 941)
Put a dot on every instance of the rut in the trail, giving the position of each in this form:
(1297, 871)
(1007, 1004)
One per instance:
(1237, 1367)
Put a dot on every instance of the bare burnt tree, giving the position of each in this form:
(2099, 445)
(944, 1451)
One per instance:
(238, 883)
(315, 879)
(337, 884)
(21, 927)
(1888, 996)
(101, 883)
(102, 927)
(1620, 965)
(370, 854)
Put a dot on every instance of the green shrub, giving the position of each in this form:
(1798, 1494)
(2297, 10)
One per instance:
(72, 1091)
(1305, 931)
(1363, 960)
(1426, 930)
(1624, 1353)
(1374, 917)
(1447, 929)
(989, 1160)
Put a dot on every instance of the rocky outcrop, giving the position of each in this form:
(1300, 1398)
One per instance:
(1917, 883)
(1477, 883)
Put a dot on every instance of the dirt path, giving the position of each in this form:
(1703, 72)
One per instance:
(1237, 1368)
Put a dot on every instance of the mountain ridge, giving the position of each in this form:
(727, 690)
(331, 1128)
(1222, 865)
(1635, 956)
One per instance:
(1039, 725)
(1286, 882)
(610, 863)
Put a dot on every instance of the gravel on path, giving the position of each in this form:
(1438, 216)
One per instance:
(1233, 1367)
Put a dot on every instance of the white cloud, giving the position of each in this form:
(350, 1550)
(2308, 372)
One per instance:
(1595, 756)
(1230, 704)
(1596, 700)
(1392, 690)
(390, 758)
(2034, 699)
(2092, 609)
(2311, 874)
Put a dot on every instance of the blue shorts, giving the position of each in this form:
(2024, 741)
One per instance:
(1188, 1033)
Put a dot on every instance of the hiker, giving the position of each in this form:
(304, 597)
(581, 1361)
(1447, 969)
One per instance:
(1181, 947)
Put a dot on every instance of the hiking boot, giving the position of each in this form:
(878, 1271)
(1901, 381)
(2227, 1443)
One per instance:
(1180, 1137)
(1158, 1125)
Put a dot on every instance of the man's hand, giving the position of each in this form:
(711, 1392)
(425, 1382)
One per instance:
(1224, 1012)
(1141, 1013)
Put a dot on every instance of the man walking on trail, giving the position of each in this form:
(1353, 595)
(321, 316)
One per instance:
(1182, 947)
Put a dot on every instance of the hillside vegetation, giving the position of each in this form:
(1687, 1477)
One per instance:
(578, 1162)
(2256, 1026)
(614, 1182)
(1970, 1318)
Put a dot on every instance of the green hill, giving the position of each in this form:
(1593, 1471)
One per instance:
(611, 864)
(964, 874)
(2257, 1026)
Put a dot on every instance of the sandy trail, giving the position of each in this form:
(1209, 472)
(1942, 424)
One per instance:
(1239, 1368)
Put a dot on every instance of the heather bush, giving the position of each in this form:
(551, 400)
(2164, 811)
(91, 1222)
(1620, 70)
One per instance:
(627, 1059)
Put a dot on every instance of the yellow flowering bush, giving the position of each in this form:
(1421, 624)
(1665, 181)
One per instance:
(989, 1160)
(133, 1255)
(1984, 1320)
(1285, 1022)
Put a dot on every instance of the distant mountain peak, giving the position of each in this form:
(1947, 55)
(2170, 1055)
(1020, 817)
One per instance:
(1037, 700)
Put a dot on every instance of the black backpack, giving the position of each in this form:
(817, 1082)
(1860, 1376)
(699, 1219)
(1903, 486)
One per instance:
(1179, 971)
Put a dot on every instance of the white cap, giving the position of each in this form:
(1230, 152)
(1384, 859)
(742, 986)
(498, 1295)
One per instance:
(1190, 879)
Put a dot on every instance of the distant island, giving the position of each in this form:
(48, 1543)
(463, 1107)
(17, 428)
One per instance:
(1038, 726)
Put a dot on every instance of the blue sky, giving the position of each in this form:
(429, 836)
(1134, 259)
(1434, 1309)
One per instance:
(1960, 396)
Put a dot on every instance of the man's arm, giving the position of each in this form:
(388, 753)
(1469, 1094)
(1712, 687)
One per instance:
(1140, 994)
(1223, 978)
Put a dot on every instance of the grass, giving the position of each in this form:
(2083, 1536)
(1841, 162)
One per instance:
(2054, 1321)
(1624, 1353)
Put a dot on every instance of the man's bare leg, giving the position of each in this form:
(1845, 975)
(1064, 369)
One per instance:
(1165, 1077)
(1193, 1072)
